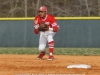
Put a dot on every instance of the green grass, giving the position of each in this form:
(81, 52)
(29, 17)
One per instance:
(58, 51)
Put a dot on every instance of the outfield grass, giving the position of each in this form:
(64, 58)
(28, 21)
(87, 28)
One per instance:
(58, 51)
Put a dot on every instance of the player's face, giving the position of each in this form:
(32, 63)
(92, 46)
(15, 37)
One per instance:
(42, 14)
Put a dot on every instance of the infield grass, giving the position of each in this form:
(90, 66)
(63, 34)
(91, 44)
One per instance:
(57, 51)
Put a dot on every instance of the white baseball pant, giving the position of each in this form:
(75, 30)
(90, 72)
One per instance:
(45, 37)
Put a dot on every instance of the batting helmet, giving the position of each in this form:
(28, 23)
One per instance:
(43, 8)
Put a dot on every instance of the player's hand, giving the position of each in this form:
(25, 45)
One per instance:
(36, 26)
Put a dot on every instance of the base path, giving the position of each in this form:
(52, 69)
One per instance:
(29, 65)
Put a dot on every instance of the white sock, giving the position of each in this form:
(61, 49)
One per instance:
(51, 54)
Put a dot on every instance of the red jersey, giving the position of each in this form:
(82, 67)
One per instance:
(49, 20)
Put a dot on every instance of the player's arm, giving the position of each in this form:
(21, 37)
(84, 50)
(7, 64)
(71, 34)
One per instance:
(36, 26)
(54, 25)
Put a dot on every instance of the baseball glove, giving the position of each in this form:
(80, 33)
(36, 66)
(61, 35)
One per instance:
(43, 27)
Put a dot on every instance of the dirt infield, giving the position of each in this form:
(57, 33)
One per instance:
(29, 65)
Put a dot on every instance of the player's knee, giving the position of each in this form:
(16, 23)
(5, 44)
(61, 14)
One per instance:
(41, 48)
(50, 38)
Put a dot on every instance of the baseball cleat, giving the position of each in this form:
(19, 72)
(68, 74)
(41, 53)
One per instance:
(41, 55)
(50, 57)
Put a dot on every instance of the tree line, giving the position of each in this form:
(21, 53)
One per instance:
(58, 8)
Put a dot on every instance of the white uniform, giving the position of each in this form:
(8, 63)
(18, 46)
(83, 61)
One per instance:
(46, 35)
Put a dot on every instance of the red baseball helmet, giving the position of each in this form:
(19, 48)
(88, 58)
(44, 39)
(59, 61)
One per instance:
(43, 8)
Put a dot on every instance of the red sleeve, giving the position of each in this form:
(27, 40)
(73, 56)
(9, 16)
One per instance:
(55, 28)
(35, 31)
(36, 20)
(54, 24)
(36, 25)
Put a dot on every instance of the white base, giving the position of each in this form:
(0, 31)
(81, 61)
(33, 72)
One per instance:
(79, 66)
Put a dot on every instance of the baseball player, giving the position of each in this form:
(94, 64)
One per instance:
(45, 24)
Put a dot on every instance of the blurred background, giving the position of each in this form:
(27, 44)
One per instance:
(16, 32)
(59, 8)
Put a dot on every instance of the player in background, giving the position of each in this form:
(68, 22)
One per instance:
(45, 36)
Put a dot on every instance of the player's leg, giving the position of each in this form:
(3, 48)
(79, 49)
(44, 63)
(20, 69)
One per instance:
(51, 44)
(42, 45)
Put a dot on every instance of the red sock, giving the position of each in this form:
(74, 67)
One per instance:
(43, 51)
(51, 47)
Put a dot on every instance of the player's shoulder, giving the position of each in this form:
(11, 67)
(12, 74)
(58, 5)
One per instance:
(37, 17)
(51, 17)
